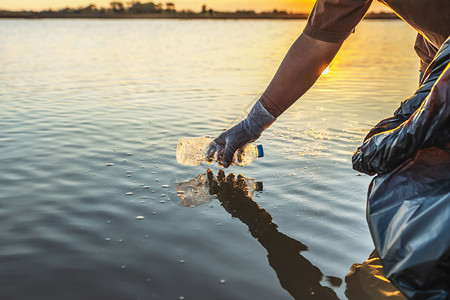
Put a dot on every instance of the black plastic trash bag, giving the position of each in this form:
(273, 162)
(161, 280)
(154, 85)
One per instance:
(409, 200)
(421, 121)
(408, 215)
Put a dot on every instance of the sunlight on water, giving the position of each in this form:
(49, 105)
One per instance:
(90, 115)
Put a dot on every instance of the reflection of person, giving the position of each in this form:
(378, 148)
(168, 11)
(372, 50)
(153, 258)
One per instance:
(414, 126)
(296, 274)
(329, 24)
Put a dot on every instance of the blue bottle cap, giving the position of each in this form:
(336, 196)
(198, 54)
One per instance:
(260, 151)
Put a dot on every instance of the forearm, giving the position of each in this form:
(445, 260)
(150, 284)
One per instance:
(302, 65)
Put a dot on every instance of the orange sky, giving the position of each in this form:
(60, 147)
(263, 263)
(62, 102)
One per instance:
(195, 5)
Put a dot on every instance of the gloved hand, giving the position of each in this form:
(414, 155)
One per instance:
(247, 131)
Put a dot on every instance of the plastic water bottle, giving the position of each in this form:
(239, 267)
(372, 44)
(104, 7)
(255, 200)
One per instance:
(192, 151)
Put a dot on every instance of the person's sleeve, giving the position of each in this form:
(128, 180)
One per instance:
(425, 50)
(334, 20)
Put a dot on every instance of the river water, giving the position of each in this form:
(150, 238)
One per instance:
(90, 115)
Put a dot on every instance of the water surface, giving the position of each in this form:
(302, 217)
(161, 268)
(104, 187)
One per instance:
(91, 112)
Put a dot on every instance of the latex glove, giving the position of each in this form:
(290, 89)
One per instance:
(222, 149)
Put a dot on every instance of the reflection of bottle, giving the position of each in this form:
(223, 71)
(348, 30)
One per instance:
(251, 186)
(192, 151)
(194, 192)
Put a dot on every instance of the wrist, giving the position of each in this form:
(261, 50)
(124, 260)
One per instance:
(270, 105)
(259, 119)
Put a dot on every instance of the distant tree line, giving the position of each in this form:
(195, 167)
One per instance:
(116, 7)
(137, 9)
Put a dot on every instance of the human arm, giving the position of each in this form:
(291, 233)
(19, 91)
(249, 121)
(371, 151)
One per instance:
(302, 65)
(299, 70)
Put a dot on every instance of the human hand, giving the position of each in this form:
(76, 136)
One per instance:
(222, 149)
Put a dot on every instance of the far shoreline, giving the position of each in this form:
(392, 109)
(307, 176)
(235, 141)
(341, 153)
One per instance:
(176, 15)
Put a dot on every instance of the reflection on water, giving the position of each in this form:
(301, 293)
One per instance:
(78, 96)
(196, 191)
(193, 192)
(297, 275)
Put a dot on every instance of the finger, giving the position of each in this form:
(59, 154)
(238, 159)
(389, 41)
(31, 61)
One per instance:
(241, 182)
(211, 151)
(227, 157)
(213, 184)
(219, 156)
(238, 154)
(221, 174)
(221, 139)
(231, 178)
(210, 175)
(228, 185)
(221, 177)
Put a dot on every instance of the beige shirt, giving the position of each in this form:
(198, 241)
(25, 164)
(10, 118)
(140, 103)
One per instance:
(334, 20)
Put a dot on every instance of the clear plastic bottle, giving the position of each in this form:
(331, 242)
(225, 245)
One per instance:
(192, 151)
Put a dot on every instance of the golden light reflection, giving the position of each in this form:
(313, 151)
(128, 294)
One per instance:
(325, 72)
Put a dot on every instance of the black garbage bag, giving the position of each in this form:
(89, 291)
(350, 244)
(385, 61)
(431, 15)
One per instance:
(410, 105)
(408, 215)
(408, 208)
(421, 121)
